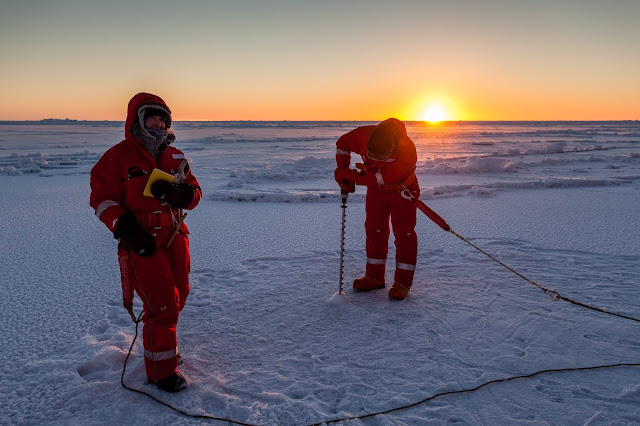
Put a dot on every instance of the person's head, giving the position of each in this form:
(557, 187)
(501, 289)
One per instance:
(149, 121)
(142, 106)
(382, 141)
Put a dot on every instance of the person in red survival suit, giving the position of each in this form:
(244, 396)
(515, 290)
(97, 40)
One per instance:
(392, 188)
(158, 272)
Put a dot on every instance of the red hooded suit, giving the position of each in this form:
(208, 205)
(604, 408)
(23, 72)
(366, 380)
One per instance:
(385, 181)
(161, 280)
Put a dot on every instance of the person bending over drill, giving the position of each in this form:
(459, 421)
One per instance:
(388, 171)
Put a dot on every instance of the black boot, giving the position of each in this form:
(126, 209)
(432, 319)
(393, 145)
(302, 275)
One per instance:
(174, 383)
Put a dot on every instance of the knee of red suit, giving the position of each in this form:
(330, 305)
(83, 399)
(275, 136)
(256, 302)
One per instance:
(406, 247)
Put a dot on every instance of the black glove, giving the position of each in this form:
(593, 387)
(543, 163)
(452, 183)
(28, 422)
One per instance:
(129, 230)
(177, 195)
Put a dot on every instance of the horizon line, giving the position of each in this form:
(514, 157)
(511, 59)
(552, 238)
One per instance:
(71, 120)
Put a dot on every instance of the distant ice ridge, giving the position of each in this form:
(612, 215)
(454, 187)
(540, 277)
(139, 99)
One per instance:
(471, 165)
(427, 192)
(559, 147)
(493, 164)
(490, 189)
(303, 169)
(313, 167)
(284, 196)
(17, 164)
(267, 124)
(232, 138)
(548, 130)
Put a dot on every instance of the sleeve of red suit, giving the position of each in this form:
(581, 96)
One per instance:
(354, 141)
(107, 189)
(197, 195)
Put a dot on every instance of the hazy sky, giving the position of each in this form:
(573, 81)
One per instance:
(322, 59)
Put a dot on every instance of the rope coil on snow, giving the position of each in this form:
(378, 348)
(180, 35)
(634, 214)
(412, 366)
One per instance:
(553, 295)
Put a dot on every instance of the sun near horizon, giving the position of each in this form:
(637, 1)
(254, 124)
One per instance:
(435, 109)
(434, 114)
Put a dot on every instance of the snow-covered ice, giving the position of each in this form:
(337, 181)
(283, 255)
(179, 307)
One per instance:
(265, 337)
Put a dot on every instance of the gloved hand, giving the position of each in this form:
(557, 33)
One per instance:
(344, 175)
(129, 230)
(367, 176)
(177, 195)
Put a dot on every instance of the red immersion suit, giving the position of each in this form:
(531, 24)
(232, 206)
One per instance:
(385, 181)
(161, 280)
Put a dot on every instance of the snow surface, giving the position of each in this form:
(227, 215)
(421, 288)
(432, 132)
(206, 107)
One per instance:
(265, 338)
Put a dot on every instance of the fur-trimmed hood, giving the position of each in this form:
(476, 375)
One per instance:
(137, 102)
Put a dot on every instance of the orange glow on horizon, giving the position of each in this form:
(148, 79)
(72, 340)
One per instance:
(356, 105)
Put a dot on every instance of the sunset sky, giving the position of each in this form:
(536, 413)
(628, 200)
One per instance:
(322, 60)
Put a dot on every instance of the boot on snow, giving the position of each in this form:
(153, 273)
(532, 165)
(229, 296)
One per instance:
(367, 283)
(399, 291)
(174, 383)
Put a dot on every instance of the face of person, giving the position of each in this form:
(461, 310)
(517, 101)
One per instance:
(155, 122)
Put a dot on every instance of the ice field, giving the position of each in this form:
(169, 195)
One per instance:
(556, 201)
